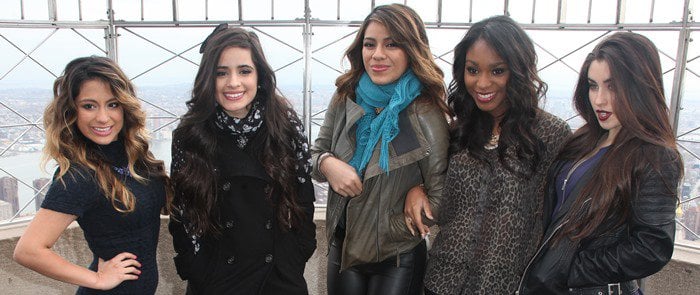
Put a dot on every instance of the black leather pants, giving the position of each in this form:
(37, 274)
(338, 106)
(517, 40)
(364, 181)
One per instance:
(381, 278)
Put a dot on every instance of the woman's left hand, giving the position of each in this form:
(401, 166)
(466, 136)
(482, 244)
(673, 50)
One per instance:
(416, 203)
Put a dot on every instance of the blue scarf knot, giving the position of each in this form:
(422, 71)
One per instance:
(392, 98)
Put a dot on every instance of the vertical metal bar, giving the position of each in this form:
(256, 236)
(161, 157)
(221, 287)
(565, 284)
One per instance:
(559, 12)
(206, 9)
(651, 14)
(505, 7)
(337, 6)
(111, 34)
(471, 9)
(562, 10)
(80, 10)
(439, 12)
(619, 17)
(534, 7)
(372, 5)
(21, 9)
(272, 9)
(240, 10)
(53, 11)
(142, 10)
(590, 7)
(679, 74)
(175, 11)
(307, 69)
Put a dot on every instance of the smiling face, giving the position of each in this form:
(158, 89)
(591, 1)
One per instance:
(485, 77)
(236, 81)
(601, 95)
(383, 59)
(100, 115)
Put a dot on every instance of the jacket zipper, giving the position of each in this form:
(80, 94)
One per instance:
(546, 241)
(522, 278)
(568, 175)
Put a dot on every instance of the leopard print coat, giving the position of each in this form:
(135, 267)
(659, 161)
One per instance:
(491, 222)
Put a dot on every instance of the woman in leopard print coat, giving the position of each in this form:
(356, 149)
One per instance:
(502, 144)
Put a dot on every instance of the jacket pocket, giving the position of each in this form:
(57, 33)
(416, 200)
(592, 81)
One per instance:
(398, 231)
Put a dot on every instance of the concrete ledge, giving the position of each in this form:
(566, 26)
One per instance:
(680, 276)
(16, 279)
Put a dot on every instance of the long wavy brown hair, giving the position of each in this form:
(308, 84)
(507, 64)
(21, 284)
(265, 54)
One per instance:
(408, 31)
(639, 104)
(195, 179)
(68, 146)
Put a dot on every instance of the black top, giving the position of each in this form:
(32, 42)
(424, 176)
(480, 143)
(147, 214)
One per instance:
(252, 254)
(109, 232)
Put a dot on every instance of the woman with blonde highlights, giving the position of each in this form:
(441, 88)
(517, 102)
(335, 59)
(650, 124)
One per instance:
(106, 179)
(385, 132)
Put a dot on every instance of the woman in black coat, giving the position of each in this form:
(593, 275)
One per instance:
(243, 208)
(612, 194)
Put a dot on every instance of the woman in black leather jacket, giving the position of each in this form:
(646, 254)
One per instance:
(612, 194)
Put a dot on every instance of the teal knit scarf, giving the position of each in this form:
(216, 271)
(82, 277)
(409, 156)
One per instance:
(392, 98)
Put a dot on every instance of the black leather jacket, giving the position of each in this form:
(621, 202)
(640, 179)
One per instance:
(641, 246)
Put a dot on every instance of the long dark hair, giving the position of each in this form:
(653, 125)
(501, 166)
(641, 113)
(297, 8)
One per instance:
(195, 180)
(524, 88)
(640, 106)
(408, 31)
(67, 145)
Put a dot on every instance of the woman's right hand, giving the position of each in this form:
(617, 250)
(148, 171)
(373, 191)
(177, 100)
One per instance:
(341, 177)
(113, 272)
(415, 206)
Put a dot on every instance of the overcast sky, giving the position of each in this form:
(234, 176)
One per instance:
(137, 55)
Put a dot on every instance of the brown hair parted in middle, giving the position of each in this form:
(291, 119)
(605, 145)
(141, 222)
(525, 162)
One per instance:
(408, 31)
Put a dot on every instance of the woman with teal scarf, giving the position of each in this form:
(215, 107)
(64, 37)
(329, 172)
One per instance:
(385, 132)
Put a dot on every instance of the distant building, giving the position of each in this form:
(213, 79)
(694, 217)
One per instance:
(41, 186)
(5, 210)
(8, 192)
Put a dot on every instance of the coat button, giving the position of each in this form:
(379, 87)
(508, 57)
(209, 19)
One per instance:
(268, 258)
(228, 224)
(230, 260)
(268, 224)
(227, 186)
(267, 190)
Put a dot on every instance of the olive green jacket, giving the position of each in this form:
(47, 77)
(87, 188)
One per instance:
(375, 229)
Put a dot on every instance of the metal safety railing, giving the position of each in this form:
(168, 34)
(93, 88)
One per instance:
(312, 35)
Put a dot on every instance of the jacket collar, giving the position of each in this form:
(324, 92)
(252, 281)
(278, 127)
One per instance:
(408, 147)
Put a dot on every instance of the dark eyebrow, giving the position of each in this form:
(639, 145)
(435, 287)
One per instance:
(373, 39)
(607, 81)
(93, 100)
(243, 66)
(493, 65)
(86, 99)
